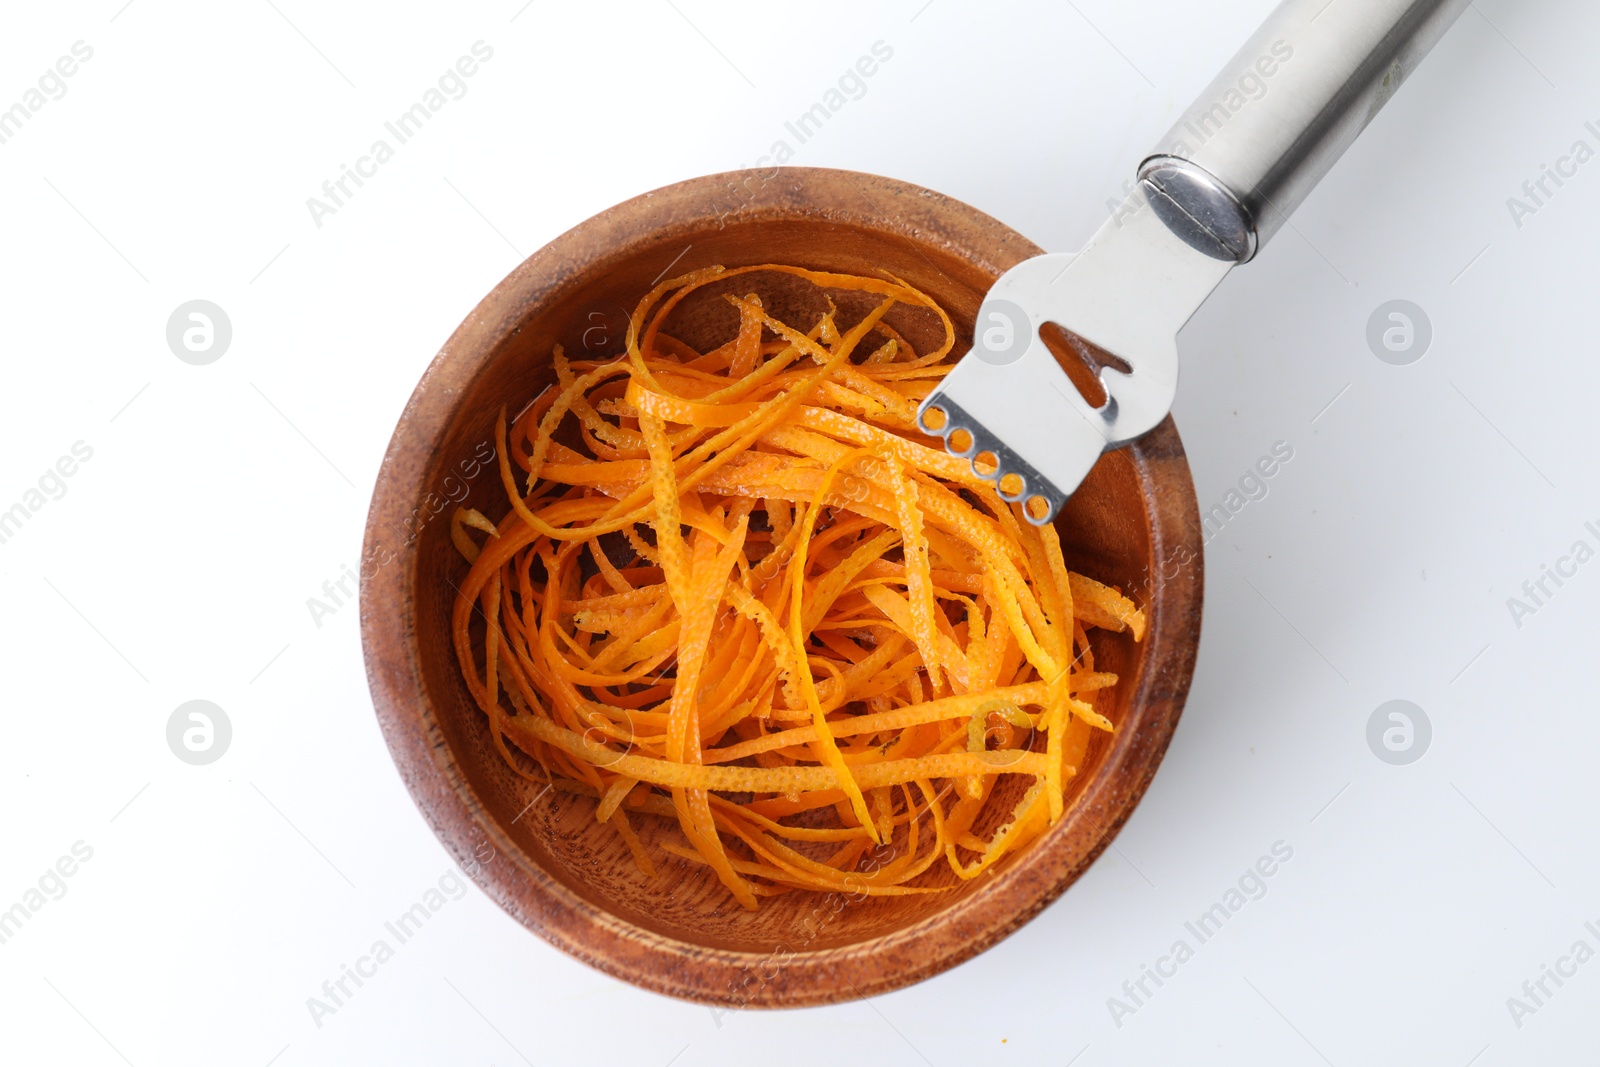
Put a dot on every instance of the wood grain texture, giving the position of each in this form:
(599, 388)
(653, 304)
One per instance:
(1134, 523)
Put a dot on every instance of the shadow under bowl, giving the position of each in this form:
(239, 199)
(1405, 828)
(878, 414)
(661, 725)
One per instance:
(1133, 524)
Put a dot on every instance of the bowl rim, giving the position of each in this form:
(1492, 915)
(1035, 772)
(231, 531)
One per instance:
(540, 901)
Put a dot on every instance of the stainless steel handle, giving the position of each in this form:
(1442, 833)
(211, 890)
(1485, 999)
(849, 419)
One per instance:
(1283, 110)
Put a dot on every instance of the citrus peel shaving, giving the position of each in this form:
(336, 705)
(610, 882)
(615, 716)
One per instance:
(739, 590)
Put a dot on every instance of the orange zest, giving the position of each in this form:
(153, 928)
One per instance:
(773, 629)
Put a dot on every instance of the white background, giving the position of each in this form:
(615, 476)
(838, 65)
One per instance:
(219, 498)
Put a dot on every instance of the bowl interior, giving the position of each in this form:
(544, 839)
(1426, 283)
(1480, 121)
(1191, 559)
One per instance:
(1111, 530)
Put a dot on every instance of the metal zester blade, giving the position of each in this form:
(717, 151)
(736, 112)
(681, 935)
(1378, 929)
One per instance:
(1128, 292)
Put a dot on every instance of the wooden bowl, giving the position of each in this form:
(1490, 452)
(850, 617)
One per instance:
(1134, 523)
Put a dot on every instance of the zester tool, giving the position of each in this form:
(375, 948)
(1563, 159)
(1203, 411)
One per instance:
(1216, 188)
